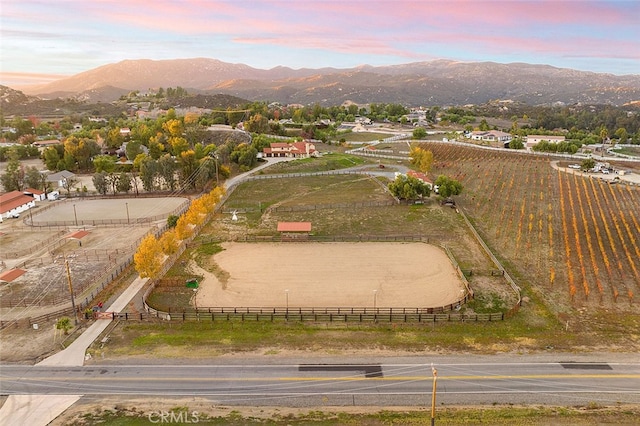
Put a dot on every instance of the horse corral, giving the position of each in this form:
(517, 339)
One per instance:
(43, 249)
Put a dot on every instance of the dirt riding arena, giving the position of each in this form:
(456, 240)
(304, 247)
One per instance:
(117, 209)
(330, 275)
(41, 251)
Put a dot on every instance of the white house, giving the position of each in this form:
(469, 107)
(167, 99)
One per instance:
(60, 178)
(533, 140)
(490, 136)
(35, 193)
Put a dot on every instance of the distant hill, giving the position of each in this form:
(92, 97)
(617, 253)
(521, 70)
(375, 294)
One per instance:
(96, 102)
(439, 82)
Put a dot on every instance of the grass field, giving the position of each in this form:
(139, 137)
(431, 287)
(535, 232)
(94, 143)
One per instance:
(144, 414)
(628, 150)
(330, 161)
(500, 219)
(363, 136)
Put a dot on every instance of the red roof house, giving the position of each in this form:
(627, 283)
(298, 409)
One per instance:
(13, 203)
(296, 149)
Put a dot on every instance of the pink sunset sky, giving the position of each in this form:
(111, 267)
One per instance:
(45, 40)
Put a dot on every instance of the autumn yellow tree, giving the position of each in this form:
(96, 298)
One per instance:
(169, 242)
(184, 229)
(191, 118)
(148, 258)
(173, 127)
(421, 158)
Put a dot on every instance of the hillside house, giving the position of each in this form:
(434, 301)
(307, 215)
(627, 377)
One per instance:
(13, 203)
(296, 150)
(533, 140)
(491, 136)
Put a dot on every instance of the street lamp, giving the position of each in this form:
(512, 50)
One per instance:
(286, 293)
(195, 299)
(75, 214)
(127, 206)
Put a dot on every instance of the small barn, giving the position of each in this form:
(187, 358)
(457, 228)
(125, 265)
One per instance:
(294, 231)
(77, 236)
(35, 193)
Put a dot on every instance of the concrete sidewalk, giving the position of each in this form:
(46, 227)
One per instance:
(74, 354)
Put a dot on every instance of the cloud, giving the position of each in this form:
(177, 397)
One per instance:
(285, 31)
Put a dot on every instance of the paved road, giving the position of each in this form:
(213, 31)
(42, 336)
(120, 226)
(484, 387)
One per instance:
(390, 382)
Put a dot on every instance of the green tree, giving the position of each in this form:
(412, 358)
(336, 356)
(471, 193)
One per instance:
(409, 188)
(33, 178)
(257, 124)
(100, 182)
(104, 163)
(587, 164)
(133, 149)
(52, 156)
(167, 171)
(124, 182)
(172, 220)
(447, 186)
(516, 143)
(187, 166)
(622, 135)
(419, 133)
(245, 156)
(64, 324)
(70, 183)
(148, 173)
(13, 177)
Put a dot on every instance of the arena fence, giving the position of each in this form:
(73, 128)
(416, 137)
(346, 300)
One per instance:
(102, 222)
(340, 315)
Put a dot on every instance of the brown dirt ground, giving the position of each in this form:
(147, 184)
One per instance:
(46, 274)
(330, 274)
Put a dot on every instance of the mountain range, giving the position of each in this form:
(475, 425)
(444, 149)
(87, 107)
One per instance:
(440, 82)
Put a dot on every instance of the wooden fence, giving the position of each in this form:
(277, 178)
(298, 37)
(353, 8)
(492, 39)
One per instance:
(389, 315)
(30, 321)
(50, 243)
(103, 222)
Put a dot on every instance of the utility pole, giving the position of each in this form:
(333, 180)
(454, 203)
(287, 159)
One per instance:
(433, 395)
(73, 300)
(217, 178)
